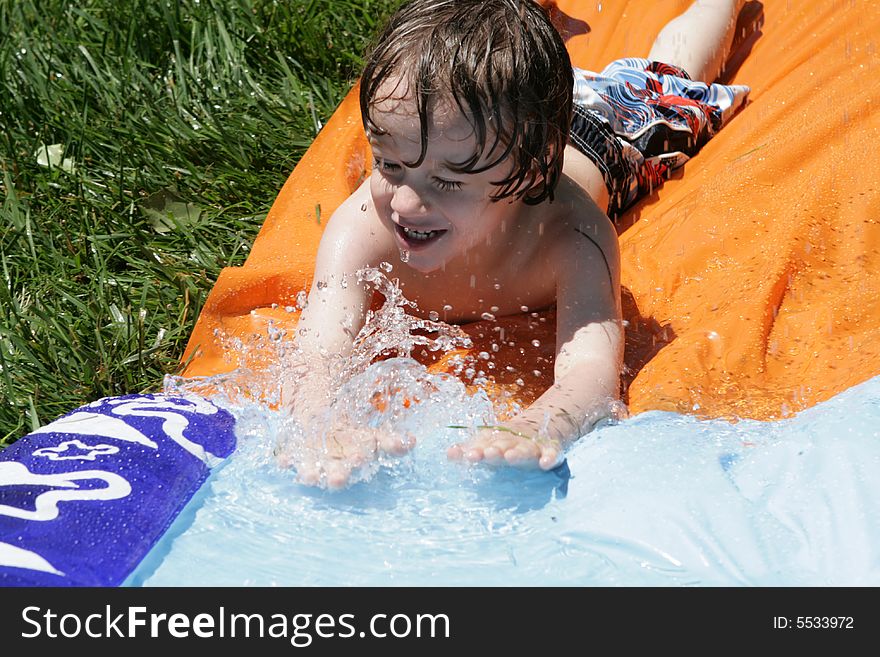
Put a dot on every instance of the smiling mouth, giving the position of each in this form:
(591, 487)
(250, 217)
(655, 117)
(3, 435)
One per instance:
(417, 238)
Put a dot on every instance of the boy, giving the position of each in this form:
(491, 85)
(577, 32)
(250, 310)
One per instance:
(489, 191)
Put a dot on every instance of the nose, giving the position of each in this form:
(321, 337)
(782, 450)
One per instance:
(407, 202)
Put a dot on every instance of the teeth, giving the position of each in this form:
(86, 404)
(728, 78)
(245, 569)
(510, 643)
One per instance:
(418, 234)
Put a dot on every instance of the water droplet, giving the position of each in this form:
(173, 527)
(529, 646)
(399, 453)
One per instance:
(524, 309)
(447, 308)
(494, 309)
(385, 266)
(488, 317)
(433, 315)
(483, 355)
(497, 286)
(536, 343)
(404, 256)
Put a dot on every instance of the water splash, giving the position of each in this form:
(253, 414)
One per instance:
(392, 330)
(310, 404)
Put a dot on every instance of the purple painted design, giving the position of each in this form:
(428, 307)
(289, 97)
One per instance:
(83, 499)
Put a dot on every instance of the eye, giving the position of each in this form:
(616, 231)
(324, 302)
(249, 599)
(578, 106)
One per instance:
(384, 165)
(447, 185)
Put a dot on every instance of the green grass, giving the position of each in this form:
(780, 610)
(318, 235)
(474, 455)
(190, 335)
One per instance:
(173, 124)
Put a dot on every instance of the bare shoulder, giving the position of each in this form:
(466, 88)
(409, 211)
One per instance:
(586, 238)
(352, 239)
(354, 236)
(587, 261)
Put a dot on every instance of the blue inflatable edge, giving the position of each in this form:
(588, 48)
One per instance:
(85, 498)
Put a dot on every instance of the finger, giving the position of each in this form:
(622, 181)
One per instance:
(494, 455)
(523, 455)
(550, 458)
(473, 454)
(338, 475)
(455, 452)
(308, 476)
(500, 441)
(396, 444)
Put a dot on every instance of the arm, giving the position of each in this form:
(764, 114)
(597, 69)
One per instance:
(337, 303)
(588, 360)
(324, 447)
(335, 311)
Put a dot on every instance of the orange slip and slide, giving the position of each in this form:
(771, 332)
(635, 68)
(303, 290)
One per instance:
(751, 280)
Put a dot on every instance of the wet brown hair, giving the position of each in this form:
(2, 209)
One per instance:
(505, 67)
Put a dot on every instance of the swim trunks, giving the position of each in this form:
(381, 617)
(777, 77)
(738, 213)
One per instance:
(638, 120)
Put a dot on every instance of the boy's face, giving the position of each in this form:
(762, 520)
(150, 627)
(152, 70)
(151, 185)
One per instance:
(437, 215)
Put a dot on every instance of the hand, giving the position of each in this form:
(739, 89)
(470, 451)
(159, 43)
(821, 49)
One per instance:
(336, 457)
(506, 446)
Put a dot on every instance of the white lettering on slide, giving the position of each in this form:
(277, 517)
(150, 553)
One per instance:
(46, 504)
(12, 556)
(95, 424)
(175, 423)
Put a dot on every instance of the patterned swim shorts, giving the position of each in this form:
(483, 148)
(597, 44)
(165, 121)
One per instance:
(638, 120)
